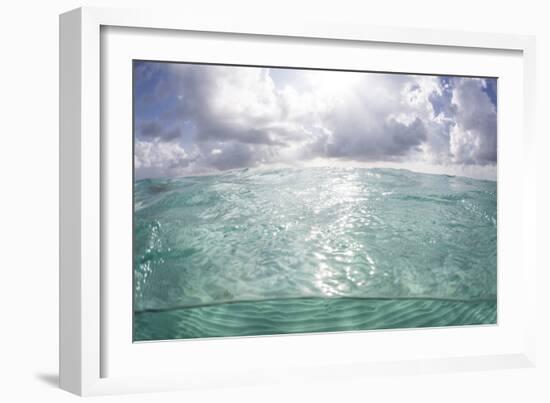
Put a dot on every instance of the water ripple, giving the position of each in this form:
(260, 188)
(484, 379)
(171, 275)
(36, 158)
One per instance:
(258, 235)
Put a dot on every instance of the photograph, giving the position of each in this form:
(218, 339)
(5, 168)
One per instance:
(273, 200)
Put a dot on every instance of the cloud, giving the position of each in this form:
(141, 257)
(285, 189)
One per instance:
(473, 139)
(388, 141)
(152, 130)
(202, 118)
(153, 159)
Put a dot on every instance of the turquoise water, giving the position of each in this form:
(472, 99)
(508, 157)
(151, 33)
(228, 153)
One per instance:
(270, 251)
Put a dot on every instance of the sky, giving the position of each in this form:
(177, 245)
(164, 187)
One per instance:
(193, 119)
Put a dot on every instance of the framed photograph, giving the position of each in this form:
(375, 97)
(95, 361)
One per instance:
(248, 204)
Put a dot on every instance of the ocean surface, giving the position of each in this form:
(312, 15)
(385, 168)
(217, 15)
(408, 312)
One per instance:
(294, 250)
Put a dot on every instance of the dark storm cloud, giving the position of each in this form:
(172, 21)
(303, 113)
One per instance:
(150, 129)
(389, 141)
(153, 130)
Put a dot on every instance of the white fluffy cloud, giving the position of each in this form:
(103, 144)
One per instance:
(198, 118)
(158, 158)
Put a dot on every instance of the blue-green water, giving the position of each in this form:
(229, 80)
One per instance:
(269, 251)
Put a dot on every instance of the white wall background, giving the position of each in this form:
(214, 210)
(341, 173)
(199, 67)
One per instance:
(29, 201)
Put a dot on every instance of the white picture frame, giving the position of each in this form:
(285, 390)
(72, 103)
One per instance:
(85, 309)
